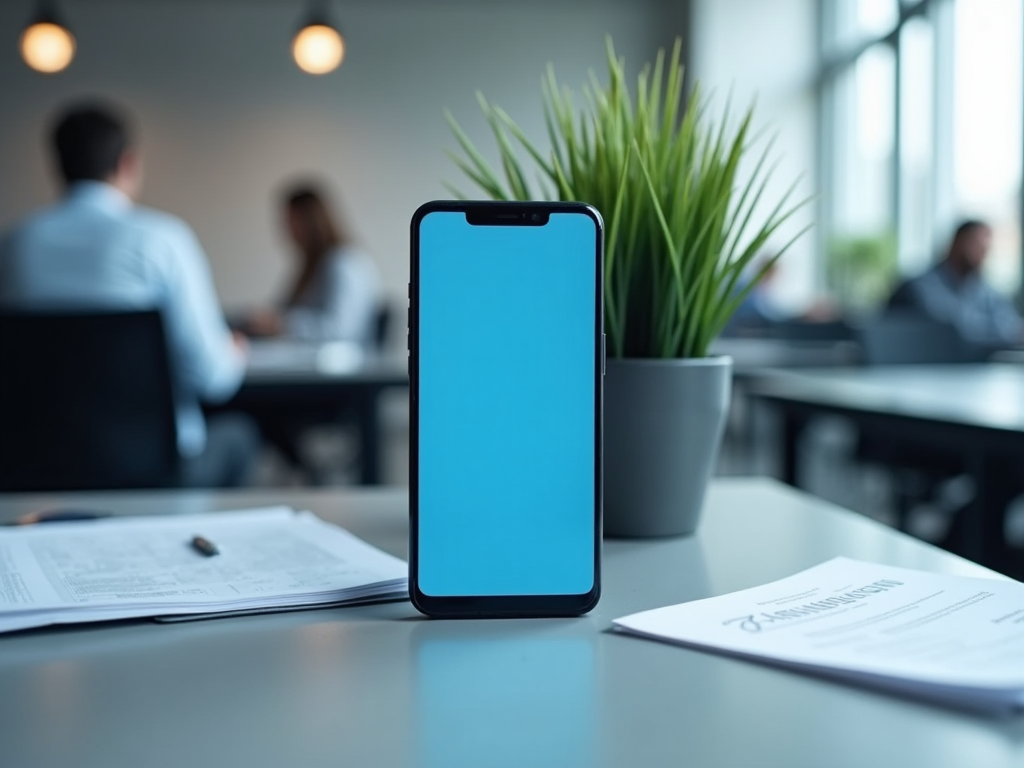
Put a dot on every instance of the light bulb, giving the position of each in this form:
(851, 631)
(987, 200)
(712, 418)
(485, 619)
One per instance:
(47, 47)
(318, 49)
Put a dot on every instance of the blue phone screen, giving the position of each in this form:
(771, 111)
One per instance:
(506, 406)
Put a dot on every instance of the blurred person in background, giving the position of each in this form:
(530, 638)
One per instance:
(95, 249)
(954, 292)
(758, 311)
(762, 315)
(334, 294)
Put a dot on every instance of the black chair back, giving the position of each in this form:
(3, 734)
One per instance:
(86, 402)
(382, 326)
(912, 338)
(808, 331)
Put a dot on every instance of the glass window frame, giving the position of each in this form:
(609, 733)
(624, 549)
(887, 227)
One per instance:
(834, 61)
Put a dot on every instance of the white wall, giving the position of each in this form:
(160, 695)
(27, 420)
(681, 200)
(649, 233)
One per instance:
(225, 116)
(769, 50)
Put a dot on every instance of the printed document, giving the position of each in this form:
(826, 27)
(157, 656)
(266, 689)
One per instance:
(146, 566)
(946, 637)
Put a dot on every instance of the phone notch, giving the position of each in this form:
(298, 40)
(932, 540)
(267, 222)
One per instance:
(507, 216)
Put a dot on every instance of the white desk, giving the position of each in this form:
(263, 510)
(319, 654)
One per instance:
(975, 412)
(379, 686)
(322, 382)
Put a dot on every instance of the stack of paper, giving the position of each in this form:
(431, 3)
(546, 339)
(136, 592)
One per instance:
(271, 559)
(956, 639)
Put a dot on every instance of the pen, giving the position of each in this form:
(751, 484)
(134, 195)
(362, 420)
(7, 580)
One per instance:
(58, 516)
(204, 546)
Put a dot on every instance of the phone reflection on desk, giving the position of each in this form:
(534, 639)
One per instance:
(504, 697)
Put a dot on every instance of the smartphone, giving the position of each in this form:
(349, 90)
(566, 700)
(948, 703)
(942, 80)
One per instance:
(506, 363)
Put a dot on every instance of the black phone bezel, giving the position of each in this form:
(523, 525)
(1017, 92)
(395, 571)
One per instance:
(498, 606)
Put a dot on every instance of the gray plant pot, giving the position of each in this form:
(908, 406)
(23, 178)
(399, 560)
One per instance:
(663, 422)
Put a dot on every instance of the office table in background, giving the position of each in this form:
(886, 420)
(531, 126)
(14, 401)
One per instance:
(751, 356)
(322, 382)
(755, 357)
(976, 411)
(380, 686)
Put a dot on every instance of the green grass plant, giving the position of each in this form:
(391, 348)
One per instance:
(683, 233)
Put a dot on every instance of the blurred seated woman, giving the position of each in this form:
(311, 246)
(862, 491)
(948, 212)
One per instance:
(335, 293)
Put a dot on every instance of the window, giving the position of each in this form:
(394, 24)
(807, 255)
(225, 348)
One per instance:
(922, 105)
(917, 146)
(858, 22)
(988, 88)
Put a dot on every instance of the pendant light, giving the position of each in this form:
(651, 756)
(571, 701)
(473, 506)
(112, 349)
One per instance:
(318, 47)
(46, 44)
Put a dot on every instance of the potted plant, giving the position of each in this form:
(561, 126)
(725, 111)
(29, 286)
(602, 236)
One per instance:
(682, 234)
(863, 270)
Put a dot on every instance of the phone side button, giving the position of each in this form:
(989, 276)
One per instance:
(604, 351)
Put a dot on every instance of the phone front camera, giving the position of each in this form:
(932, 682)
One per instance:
(534, 217)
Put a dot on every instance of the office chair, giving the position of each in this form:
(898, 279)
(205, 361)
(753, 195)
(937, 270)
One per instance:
(86, 402)
(382, 322)
(907, 337)
(807, 331)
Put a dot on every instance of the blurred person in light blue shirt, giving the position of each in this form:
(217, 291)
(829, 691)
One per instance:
(954, 291)
(97, 249)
